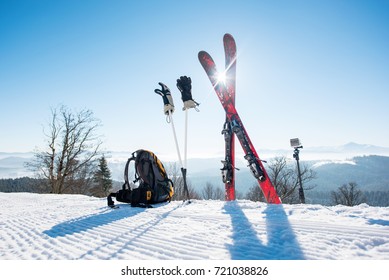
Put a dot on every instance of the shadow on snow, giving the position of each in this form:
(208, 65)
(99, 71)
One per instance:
(378, 222)
(281, 241)
(85, 223)
(90, 222)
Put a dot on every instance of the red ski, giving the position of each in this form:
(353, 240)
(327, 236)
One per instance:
(228, 170)
(228, 103)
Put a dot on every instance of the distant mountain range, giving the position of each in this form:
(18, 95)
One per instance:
(367, 165)
(369, 172)
(12, 165)
(348, 150)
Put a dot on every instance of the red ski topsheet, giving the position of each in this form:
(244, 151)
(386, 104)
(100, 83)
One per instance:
(230, 63)
(228, 105)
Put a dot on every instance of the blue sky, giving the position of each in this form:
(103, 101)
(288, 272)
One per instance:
(318, 70)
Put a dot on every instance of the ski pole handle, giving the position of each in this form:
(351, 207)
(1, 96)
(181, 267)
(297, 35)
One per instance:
(166, 97)
(184, 85)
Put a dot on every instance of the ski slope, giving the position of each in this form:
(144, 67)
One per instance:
(73, 227)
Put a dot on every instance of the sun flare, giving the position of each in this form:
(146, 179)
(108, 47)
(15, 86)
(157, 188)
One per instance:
(221, 78)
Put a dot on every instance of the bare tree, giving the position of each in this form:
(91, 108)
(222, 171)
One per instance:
(255, 194)
(285, 179)
(238, 195)
(71, 153)
(212, 192)
(349, 195)
(174, 173)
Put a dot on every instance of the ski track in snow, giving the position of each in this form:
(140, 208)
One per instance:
(47, 226)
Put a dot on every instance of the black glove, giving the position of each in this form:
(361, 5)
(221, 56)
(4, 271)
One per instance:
(184, 84)
(167, 98)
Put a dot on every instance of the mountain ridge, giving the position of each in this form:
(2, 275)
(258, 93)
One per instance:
(357, 164)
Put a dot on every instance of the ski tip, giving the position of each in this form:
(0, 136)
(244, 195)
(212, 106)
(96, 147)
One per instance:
(202, 54)
(227, 35)
(205, 58)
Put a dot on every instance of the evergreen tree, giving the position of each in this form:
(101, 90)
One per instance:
(102, 179)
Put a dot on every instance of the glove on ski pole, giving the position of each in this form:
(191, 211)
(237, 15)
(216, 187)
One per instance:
(184, 84)
(168, 110)
(167, 98)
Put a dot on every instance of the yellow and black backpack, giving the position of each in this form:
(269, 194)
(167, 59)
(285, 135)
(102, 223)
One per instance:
(154, 185)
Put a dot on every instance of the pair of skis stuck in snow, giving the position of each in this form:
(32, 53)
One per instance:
(225, 90)
(224, 86)
(184, 84)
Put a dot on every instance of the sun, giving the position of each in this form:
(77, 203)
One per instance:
(221, 77)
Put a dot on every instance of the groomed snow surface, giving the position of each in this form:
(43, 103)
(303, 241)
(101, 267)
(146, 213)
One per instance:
(72, 227)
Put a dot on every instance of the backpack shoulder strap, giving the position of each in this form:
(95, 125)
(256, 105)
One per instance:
(126, 182)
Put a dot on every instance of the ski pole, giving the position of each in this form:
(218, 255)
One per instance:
(184, 84)
(183, 169)
(170, 115)
(186, 139)
(168, 110)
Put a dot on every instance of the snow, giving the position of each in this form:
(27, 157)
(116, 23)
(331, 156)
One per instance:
(74, 227)
(325, 162)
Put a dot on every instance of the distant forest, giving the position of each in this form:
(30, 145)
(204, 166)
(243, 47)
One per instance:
(373, 198)
(26, 184)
